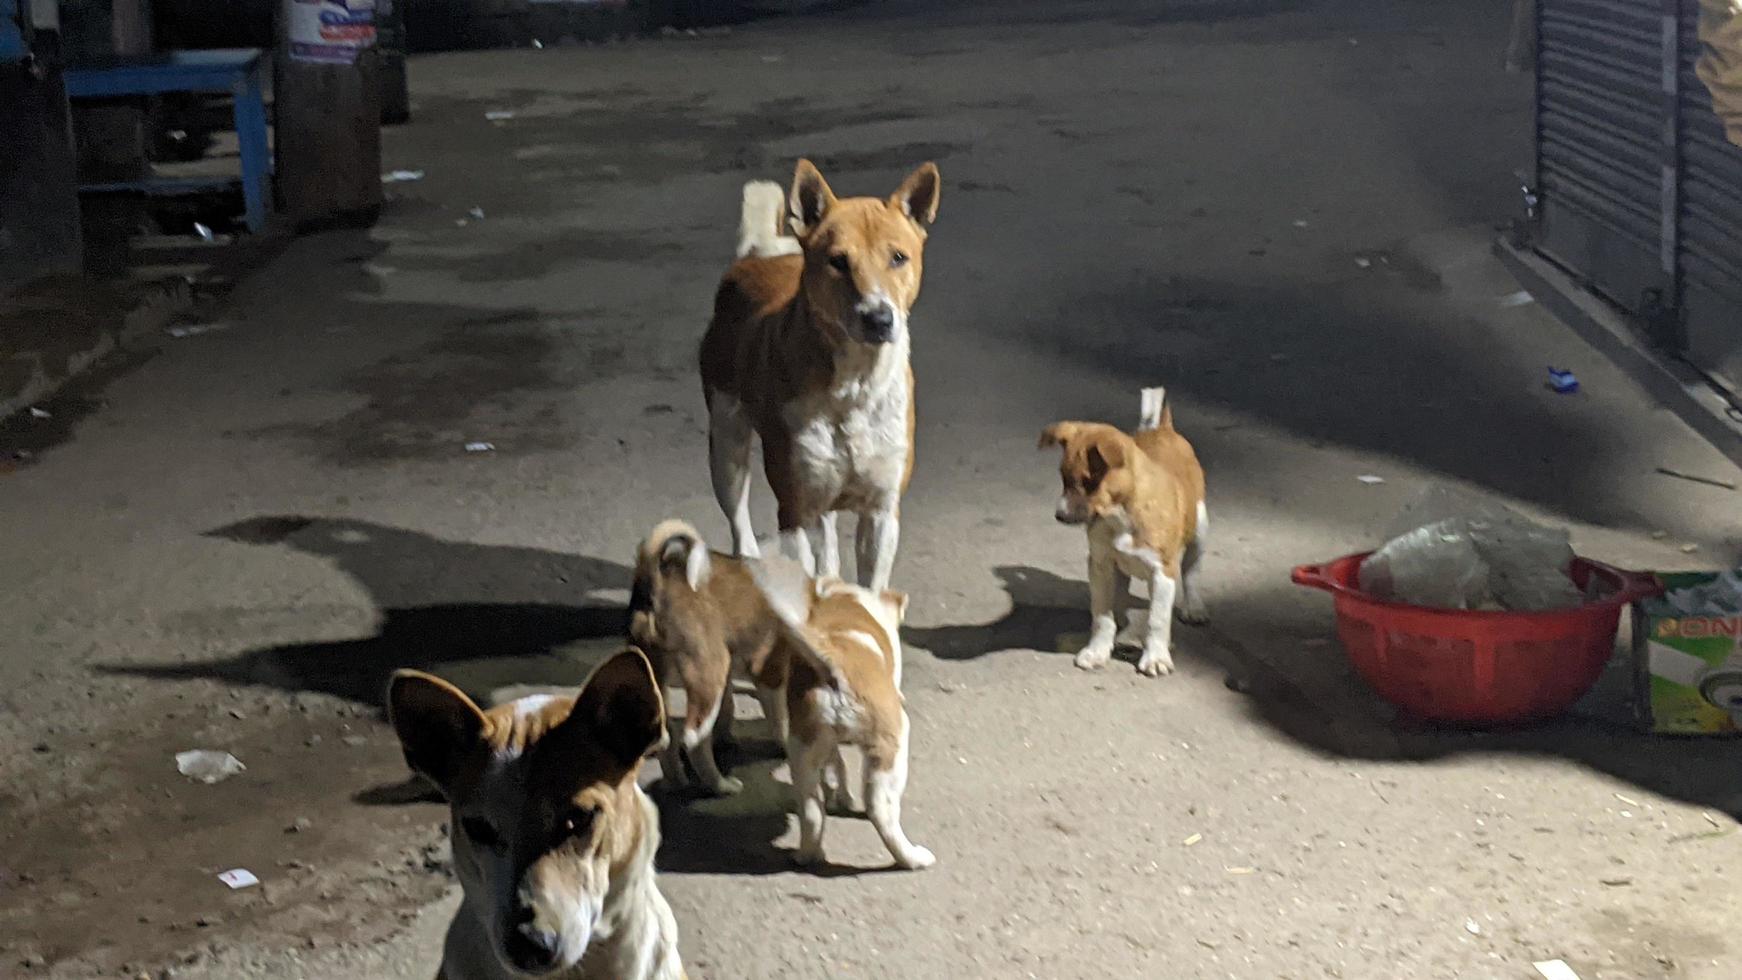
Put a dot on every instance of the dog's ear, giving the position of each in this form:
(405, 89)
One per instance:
(1057, 434)
(438, 725)
(918, 195)
(810, 198)
(1104, 456)
(620, 711)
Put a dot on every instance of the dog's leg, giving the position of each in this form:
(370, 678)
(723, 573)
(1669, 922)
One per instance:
(730, 436)
(795, 546)
(1103, 607)
(706, 688)
(728, 717)
(839, 793)
(875, 540)
(1157, 656)
(773, 701)
(806, 761)
(825, 546)
(1191, 606)
(672, 774)
(885, 782)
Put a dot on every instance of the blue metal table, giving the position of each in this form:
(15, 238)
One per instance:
(238, 71)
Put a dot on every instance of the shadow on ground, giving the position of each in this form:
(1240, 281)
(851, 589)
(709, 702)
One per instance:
(503, 609)
(502, 629)
(1381, 370)
(1047, 612)
(1354, 724)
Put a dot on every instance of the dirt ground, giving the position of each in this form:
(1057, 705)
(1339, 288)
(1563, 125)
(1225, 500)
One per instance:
(1280, 209)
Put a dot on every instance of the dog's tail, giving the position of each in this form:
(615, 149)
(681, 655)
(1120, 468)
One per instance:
(762, 222)
(791, 595)
(1155, 413)
(674, 549)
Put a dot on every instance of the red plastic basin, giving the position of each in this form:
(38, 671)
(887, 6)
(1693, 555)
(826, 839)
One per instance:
(1479, 667)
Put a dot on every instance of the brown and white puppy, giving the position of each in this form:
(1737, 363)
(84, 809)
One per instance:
(1141, 497)
(808, 349)
(702, 618)
(844, 688)
(553, 840)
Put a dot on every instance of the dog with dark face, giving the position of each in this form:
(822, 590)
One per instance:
(553, 839)
(808, 350)
(1140, 496)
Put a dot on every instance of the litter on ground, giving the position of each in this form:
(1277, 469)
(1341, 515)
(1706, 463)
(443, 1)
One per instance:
(195, 329)
(401, 176)
(239, 878)
(1562, 382)
(207, 765)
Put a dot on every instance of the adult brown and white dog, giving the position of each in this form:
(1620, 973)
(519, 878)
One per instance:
(808, 349)
(1141, 498)
(553, 839)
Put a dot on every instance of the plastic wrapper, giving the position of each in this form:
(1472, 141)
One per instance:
(1451, 551)
(1722, 596)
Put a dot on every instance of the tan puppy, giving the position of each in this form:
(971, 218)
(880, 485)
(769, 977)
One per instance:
(553, 840)
(844, 688)
(808, 350)
(1142, 499)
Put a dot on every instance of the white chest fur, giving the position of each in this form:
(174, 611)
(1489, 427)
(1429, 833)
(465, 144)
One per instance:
(1112, 534)
(849, 442)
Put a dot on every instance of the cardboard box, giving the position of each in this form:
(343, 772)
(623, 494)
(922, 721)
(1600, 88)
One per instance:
(1687, 647)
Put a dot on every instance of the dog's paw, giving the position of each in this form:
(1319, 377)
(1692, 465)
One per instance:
(1192, 613)
(1155, 663)
(1092, 658)
(807, 858)
(917, 859)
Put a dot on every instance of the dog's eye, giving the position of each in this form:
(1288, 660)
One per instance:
(841, 263)
(479, 831)
(898, 260)
(579, 821)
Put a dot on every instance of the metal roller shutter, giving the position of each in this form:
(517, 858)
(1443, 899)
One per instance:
(1600, 106)
(1711, 222)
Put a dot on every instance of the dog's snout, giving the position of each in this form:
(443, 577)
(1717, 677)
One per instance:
(1068, 512)
(879, 322)
(529, 948)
